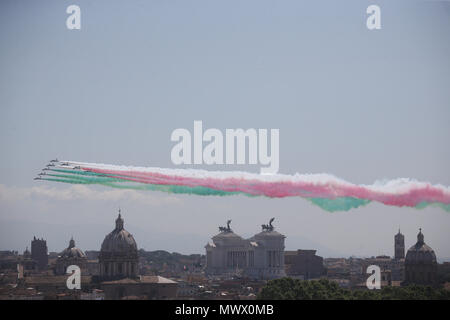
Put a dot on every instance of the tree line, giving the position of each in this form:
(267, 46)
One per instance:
(324, 289)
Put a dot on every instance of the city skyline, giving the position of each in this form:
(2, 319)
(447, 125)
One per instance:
(364, 105)
(321, 250)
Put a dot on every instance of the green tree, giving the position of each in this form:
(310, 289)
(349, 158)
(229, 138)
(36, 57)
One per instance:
(323, 289)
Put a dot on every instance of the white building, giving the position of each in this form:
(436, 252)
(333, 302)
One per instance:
(260, 257)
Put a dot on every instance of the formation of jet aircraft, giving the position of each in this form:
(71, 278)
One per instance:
(55, 163)
(51, 163)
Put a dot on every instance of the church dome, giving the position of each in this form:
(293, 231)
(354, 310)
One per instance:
(119, 240)
(72, 251)
(118, 258)
(420, 253)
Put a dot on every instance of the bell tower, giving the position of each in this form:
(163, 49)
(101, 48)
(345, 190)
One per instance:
(399, 245)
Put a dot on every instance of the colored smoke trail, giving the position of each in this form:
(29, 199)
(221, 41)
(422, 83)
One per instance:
(323, 190)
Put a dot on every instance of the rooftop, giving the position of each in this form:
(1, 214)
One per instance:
(142, 279)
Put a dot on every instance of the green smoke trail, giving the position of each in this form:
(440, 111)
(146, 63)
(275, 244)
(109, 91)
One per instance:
(115, 181)
(89, 173)
(64, 181)
(198, 190)
(94, 177)
(78, 172)
(90, 179)
(123, 184)
(347, 203)
(339, 204)
(87, 177)
(425, 204)
(77, 179)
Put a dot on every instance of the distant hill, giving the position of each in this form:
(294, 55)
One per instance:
(162, 256)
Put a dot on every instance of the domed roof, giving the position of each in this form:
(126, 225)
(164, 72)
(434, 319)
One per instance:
(420, 252)
(119, 240)
(268, 234)
(71, 251)
(227, 235)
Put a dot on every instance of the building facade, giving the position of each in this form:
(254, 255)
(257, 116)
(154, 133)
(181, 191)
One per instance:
(399, 246)
(39, 253)
(420, 263)
(118, 258)
(119, 270)
(70, 256)
(144, 287)
(260, 257)
(395, 267)
(304, 264)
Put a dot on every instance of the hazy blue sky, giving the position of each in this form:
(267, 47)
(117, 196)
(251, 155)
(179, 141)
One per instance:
(362, 105)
